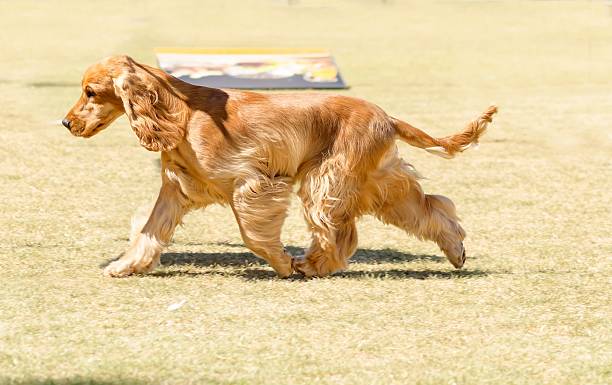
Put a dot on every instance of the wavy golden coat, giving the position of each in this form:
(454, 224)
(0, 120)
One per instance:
(247, 150)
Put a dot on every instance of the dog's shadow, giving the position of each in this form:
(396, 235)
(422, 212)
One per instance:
(251, 267)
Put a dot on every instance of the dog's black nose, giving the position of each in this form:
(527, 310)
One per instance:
(66, 123)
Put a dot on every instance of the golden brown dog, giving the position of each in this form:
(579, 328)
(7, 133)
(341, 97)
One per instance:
(247, 150)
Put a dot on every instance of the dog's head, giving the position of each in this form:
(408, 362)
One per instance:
(119, 85)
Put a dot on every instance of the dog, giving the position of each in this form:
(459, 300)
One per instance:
(247, 150)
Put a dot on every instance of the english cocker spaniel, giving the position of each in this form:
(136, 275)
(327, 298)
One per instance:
(247, 150)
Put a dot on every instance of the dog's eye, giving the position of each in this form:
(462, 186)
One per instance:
(89, 92)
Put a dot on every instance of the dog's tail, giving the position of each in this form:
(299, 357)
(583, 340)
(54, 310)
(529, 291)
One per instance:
(448, 146)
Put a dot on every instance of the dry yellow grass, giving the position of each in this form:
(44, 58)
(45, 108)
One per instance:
(532, 305)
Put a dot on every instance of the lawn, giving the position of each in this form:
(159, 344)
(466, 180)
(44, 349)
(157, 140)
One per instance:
(531, 306)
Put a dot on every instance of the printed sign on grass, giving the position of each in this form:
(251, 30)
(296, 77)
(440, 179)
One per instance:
(252, 68)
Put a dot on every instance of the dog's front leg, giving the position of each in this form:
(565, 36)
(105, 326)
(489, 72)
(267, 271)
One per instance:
(143, 254)
(260, 204)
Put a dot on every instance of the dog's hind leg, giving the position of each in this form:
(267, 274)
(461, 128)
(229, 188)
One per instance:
(328, 197)
(330, 249)
(395, 197)
(143, 254)
(260, 205)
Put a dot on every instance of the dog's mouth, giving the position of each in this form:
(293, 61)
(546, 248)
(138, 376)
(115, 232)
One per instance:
(81, 133)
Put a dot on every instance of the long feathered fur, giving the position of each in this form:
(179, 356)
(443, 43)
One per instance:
(449, 146)
(248, 150)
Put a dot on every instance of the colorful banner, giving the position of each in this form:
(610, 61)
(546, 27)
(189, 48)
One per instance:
(252, 68)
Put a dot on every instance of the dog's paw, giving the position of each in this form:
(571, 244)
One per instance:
(285, 274)
(118, 269)
(303, 266)
(455, 255)
(285, 270)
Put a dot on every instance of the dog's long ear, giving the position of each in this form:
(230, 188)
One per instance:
(157, 115)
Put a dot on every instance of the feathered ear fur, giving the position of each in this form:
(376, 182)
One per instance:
(157, 115)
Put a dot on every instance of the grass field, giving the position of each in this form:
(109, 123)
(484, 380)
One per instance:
(531, 306)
